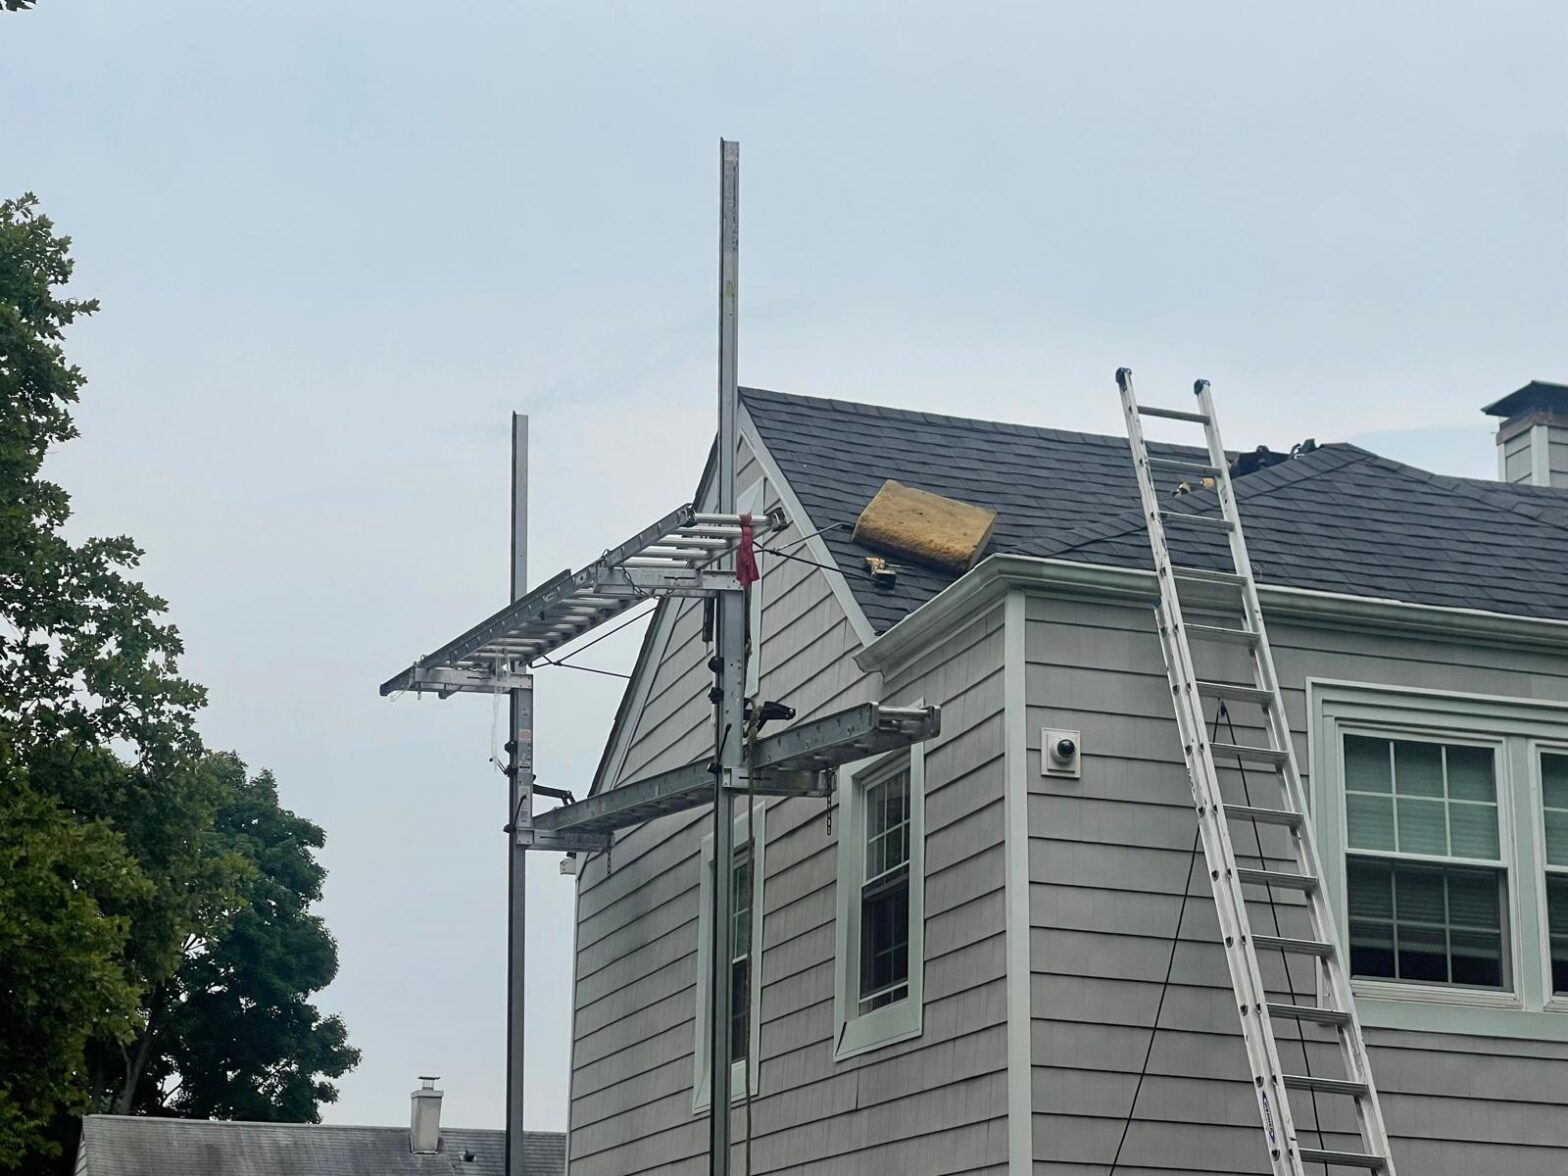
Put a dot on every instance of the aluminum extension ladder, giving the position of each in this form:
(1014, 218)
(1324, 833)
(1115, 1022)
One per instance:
(1229, 880)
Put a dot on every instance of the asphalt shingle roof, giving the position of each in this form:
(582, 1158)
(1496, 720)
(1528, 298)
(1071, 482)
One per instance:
(1339, 519)
(133, 1145)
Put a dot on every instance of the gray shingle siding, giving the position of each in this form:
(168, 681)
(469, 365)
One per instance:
(1108, 857)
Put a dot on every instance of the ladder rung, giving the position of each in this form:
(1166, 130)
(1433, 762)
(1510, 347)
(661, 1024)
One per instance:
(1310, 947)
(1172, 414)
(1344, 1159)
(1325, 1085)
(1185, 465)
(1202, 522)
(1281, 878)
(1236, 692)
(1208, 576)
(1222, 633)
(1309, 1013)
(1246, 812)
(1259, 755)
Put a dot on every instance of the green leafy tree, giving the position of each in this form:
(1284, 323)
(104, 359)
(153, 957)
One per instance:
(236, 1035)
(125, 868)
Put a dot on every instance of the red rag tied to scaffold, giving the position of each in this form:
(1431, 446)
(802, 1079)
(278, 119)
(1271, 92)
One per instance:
(746, 555)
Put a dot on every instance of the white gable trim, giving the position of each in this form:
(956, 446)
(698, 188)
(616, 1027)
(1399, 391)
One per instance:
(814, 544)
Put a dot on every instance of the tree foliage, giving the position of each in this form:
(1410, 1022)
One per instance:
(157, 948)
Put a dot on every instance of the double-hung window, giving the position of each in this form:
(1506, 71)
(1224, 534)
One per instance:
(1426, 883)
(1443, 827)
(1554, 844)
(880, 929)
(743, 947)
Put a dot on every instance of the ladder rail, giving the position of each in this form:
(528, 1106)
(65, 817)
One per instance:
(1369, 1110)
(1226, 876)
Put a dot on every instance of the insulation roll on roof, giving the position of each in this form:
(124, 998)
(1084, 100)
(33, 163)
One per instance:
(925, 527)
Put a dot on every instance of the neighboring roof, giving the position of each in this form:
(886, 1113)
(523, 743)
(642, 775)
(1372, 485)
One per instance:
(135, 1145)
(1339, 519)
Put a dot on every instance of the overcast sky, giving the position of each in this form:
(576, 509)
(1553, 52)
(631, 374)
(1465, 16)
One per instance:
(338, 241)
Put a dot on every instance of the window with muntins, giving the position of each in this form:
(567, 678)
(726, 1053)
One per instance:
(740, 956)
(1426, 882)
(880, 926)
(1554, 829)
(1442, 822)
(742, 946)
(884, 895)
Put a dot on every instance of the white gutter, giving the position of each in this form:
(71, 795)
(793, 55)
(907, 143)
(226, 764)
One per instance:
(986, 585)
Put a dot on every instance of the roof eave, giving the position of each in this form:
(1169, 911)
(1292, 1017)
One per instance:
(988, 583)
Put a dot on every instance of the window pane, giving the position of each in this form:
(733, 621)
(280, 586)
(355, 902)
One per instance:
(1418, 769)
(1423, 954)
(884, 946)
(1371, 821)
(1478, 958)
(1421, 827)
(887, 824)
(1473, 830)
(1557, 837)
(1371, 889)
(1554, 794)
(1419, 895)
(1372, 950)
(1367, 764)
(1474, 899)
(1428, 924)
(740, 1007)
(1554, 780)
(1557, 920)
(1470, 774)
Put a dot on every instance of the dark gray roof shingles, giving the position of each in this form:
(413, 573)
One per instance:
(130, 1145)
(1339, 519)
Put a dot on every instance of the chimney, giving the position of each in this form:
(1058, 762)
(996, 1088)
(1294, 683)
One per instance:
(1532, 441)
(424, 1129)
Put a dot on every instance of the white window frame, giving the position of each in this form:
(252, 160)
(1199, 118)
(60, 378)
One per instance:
(855, 1032)
(743, 1073)
(753, 500)
(1519, 729)
(1554, 1001)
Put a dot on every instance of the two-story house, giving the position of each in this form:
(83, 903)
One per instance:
(956, 964)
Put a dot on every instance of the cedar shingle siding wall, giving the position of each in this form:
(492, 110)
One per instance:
(1108, 855)
(934, 1104)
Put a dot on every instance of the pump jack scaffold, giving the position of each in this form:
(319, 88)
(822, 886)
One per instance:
(688, 553)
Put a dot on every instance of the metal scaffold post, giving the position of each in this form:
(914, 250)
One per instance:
(520, 809)
(729, 664)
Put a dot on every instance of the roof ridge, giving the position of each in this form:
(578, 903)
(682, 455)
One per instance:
(1497, 495)
(913, 415)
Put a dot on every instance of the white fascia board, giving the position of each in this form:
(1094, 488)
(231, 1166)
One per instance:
(798, 516)
(988, 582)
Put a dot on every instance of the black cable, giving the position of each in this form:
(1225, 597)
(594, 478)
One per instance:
(1165, 987)
(1290, 985)
(584, 669)
(610, 632)
(799, 559)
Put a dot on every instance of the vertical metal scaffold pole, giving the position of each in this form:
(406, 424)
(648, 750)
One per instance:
(730, 674)
(520, 817)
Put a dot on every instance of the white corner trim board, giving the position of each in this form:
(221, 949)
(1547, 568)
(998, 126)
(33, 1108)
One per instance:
(1015, 727)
